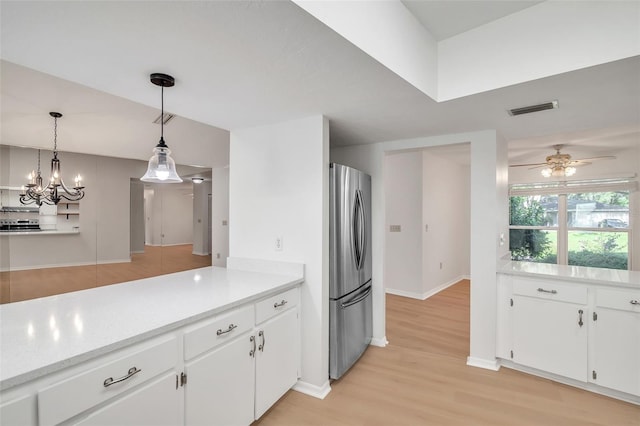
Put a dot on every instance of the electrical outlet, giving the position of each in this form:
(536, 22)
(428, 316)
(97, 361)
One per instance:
(395, 228)
(218, 255)
(440, 265)
(278, 246)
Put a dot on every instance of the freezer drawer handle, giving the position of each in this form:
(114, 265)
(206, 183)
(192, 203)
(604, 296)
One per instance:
(357, 299)
(110, 381)
(542, 290)
(634, 302)
(278, 305)
(228, 330)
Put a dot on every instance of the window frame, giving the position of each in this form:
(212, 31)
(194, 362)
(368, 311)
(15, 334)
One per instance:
(562, 190)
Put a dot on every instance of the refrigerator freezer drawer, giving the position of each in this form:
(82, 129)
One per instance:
(350, 330)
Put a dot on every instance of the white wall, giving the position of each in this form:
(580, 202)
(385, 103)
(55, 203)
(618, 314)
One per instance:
(386, 31)
(404, 192)
(220, 216)
(137, 216)
(278, 187)
(201, 210)
(445, 210)
(550, 38)
(489, 218)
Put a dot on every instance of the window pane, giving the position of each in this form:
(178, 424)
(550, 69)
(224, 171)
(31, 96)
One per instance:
(533, 245)
(534, 210)
(598, 210)
(599, 249)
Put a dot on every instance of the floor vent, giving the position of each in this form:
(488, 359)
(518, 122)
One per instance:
(533, 108)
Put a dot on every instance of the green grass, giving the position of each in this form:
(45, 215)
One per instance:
(579, 241)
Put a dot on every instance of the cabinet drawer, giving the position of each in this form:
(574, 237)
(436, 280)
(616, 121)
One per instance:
(87, 389)
(267, 308)
(214, 332)
(551, 290)
(625, 300)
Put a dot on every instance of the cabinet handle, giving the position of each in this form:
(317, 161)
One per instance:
(228, 330)
(580, 323)
(542, 290)
(634, 302)
(252, 352)
(277, 305)
(261, 347)
(110, 381)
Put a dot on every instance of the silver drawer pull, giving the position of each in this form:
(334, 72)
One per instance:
(110, 381)
(542, 290)
(228, 330)
(634, 302)
(261, 347)
(277, 305)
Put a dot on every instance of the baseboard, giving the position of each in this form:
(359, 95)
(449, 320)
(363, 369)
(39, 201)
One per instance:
(197, 253)
(427, 294)
(487, 364)
(319, 392)
(379, 341)
(591, 387)
(64, 265)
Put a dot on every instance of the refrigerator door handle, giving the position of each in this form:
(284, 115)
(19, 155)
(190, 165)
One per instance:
(363, 227)
(355, 230)
(357, 299)
(358, 225)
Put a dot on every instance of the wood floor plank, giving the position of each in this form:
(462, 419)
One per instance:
(421, 378)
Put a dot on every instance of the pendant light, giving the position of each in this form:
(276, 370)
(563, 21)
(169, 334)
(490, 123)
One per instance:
(35, 192)
(162, 168)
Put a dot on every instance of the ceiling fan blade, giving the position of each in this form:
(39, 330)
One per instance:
(529, 165)
(579, 163)
(604, 157)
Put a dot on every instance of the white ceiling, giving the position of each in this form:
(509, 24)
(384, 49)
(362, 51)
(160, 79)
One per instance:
(242, 64)
(445, 19)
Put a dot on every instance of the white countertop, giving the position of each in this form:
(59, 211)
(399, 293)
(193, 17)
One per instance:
(44, 335)
(602, 276)
(42, 232)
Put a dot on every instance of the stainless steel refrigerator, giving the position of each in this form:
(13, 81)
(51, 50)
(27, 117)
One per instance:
(350, 311)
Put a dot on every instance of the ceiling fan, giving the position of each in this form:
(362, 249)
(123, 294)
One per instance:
(560, 164)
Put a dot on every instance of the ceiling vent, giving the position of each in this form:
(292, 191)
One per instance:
(533, 108)
(165, 118)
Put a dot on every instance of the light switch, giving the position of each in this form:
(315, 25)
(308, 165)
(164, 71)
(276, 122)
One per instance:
(395, 228)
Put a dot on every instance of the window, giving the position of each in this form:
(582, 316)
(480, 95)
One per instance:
(588, 228)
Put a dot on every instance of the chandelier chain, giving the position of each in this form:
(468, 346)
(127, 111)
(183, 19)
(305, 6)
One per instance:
(55, 134)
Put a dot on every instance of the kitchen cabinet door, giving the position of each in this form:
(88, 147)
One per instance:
(550, 335)
(154, 404)
(616, 358)
(220, 384)
(276, 359)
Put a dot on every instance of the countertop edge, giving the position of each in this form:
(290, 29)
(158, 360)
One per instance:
(37, 373)
(578, 274)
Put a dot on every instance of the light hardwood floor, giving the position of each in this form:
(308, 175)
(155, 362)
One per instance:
(421, 378)
(30, 284)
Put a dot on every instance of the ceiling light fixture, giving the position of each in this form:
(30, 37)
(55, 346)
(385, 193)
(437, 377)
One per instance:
(36, 193)
(197, 180)
(162, 168)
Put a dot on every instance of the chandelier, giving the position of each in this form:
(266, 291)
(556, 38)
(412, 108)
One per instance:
(162, 168)
(35, 192)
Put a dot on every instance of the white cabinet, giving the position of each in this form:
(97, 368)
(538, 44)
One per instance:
(88, 388)
(239, 365)
(224, 370)
(220, 382)
(276, 359)
(616, 338)
(154, 404)
(586, 332)
(549, 331)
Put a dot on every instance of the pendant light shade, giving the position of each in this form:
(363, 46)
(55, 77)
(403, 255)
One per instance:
(162, 168)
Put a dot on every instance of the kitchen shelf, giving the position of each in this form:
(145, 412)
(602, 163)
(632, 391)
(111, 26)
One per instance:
(64, 210)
